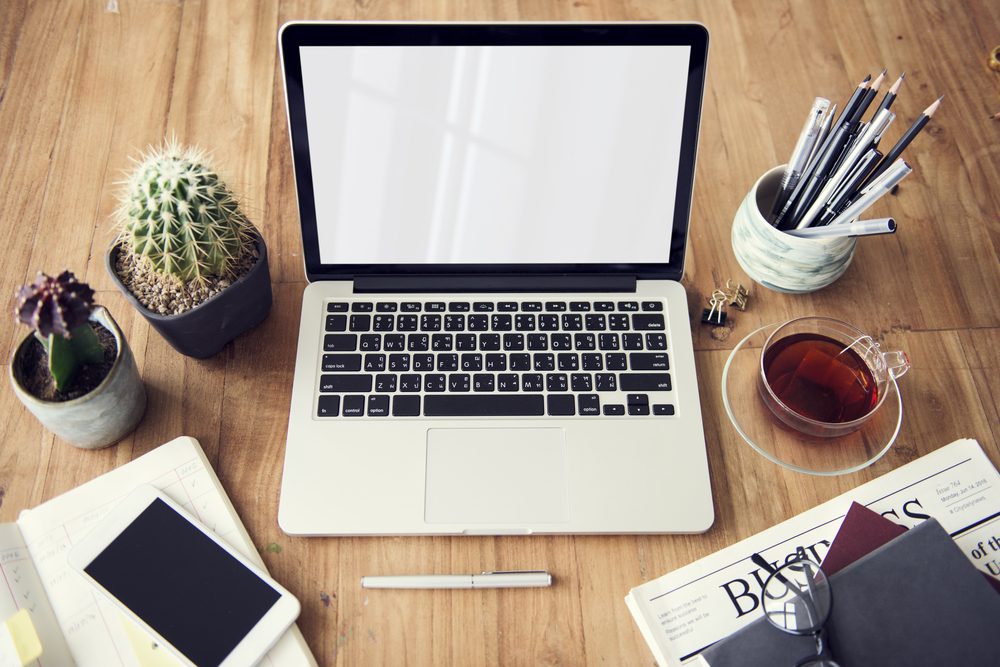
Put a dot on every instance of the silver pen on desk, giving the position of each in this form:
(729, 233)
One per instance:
(875, 191)
(801, 153)
(512, 579)
(858, 228)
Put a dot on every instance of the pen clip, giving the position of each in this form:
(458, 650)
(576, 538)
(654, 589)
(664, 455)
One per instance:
(516, 572)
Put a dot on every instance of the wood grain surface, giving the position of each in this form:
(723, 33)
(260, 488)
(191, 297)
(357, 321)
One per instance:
(86, 84)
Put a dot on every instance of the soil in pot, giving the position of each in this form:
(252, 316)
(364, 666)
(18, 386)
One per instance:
(165, 295)
(33, 370)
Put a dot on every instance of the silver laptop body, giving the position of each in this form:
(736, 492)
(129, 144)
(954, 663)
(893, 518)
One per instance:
(494, 340)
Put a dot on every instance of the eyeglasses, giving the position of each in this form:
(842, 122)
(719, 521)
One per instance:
(797, 599)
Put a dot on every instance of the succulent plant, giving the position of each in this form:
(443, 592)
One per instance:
(177, 214)
(58, 309)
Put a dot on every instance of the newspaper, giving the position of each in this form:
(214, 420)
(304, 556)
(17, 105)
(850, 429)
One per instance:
(687, 610)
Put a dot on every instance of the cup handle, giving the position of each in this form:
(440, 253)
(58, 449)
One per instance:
(897, 363)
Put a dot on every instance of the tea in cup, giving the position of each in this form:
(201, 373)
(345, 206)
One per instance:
(824, 377)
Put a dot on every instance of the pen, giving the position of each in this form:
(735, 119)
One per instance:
(514, 579)
(859, 228)
(878, 188)
(800, 155)
(823, 167)
(849, 185)
(824, 132)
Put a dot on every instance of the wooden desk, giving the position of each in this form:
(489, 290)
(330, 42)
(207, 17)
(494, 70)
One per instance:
(84, 84)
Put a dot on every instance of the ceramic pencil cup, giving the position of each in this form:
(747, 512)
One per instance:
(777, 260)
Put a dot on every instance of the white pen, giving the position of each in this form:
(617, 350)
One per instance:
(522, 579)
(859, 228)
(877, 189)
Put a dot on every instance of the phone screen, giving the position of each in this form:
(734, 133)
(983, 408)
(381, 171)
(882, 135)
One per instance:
(182, 584)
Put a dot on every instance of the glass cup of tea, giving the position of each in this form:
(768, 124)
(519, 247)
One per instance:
(824, 377)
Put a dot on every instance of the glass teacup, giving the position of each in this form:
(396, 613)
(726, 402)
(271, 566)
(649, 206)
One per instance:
(824, 377)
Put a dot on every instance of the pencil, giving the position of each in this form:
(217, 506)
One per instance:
(890, 95)
(904, 141)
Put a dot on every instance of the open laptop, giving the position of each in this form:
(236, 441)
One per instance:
(494, 220)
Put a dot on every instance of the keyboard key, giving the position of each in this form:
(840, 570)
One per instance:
(378, 406)
(430, 323)
(399, 363)
(340, 342)
(336, 322)
(507, 382)
(361, 322)
(648, 361)
(584, 341)
(374, 362)
(417, 343)
(473, 405)
(524, 322)
(459, 307)
(618, 322)
(423, 362)
(579, 306)
(596, 322)
(370, 342)
(588, 404)
(354, 406)
(489, 342)
(409, 383)
(572, 322)
(385, 307)
(501, 322)
(393, 342)
(507, 306)
(663, 409)
(340, 384)
(582, 382)
(361, 307)
(336, 307)
(434, 307)
(632, 341)
(593, 362)
(608, 341)
(538, 341)
(479, 322)
(447, 362)
(548, 322)
(644, 381)
(384, 322)
(472, 362)
(454, 322)
(652, 305)
(520, 362)
(544, 361)
(482, 382)
(465, 342)
(556, 382)
(531, 382)
(654, 322)
(405, 406)
(568, 361)
(615, 361)
(614, 410)
(628, 305)
(341, 362)
(656, 341)
(637, 398)
(483, 307)
(329, 406)
(556, 306)
(442, 342)
(560, 406)
(410, 307)
(606, 382)
(434, 382)
(638, 404)
(513, 342)
(561, 342)
(385, 384)
(531, 306)
(458, 382)
(496, 362)
(604, 306)
(406, 322)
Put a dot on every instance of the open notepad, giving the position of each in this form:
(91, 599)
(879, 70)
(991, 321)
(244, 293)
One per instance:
(76, 625)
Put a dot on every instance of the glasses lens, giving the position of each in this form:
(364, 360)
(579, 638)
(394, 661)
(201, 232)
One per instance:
(796, 598)
(819, 662)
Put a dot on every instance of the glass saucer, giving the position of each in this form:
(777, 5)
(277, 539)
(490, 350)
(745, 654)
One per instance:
(787, 447)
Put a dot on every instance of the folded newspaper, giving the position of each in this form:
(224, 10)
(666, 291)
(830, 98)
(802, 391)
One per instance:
(689, 609)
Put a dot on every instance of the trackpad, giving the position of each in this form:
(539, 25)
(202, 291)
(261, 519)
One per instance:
(496, 475)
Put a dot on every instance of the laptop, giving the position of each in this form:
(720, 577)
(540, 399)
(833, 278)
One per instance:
(494, 340)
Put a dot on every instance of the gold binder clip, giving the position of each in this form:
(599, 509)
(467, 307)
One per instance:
(737, 296)
(717, 314)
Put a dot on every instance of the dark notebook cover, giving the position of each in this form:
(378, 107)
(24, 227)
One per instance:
(915, 601)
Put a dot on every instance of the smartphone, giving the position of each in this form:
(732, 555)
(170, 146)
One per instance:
(193, 592)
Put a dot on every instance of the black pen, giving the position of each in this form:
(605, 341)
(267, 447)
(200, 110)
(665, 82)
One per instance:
(903, 142)
(823, 169)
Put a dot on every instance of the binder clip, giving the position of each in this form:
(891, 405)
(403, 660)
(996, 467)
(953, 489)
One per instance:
(716, 314)
(737, 296)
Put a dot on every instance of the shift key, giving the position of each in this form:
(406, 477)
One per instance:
(648, 361)
(644, 381)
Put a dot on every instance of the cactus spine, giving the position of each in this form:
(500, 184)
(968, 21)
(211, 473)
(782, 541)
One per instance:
(177, 214)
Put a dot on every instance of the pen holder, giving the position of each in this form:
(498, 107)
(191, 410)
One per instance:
(777, 260)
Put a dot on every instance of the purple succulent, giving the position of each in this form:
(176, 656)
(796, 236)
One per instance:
(54, 305)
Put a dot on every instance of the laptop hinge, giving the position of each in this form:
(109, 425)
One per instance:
(567, 282)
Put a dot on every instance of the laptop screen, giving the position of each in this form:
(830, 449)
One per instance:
(520, 154)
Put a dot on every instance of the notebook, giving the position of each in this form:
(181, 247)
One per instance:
(77, 625)
(494, 222)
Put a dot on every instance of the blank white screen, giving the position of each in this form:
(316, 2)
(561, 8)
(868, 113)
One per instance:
(494, 154)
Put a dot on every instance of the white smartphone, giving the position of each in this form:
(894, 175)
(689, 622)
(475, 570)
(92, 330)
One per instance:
(194, 593)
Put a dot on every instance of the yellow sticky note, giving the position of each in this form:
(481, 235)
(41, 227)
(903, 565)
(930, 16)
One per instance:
(145, 648)
(18, 633)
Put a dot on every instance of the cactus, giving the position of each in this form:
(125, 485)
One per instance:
(177, 214)
(58, 309)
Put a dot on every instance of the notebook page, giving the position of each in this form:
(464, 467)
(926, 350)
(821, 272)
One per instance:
(21, 589)
(93, 627)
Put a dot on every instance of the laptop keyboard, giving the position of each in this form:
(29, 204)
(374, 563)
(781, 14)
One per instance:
(392, 359)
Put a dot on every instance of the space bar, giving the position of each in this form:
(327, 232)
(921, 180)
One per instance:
(491, 405)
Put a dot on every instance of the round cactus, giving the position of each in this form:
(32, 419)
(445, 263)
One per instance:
(177, 214)
(54, 305)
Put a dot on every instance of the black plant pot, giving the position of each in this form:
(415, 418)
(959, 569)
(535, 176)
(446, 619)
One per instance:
(202, 331)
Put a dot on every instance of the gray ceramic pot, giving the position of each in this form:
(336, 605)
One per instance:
(105, 415)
